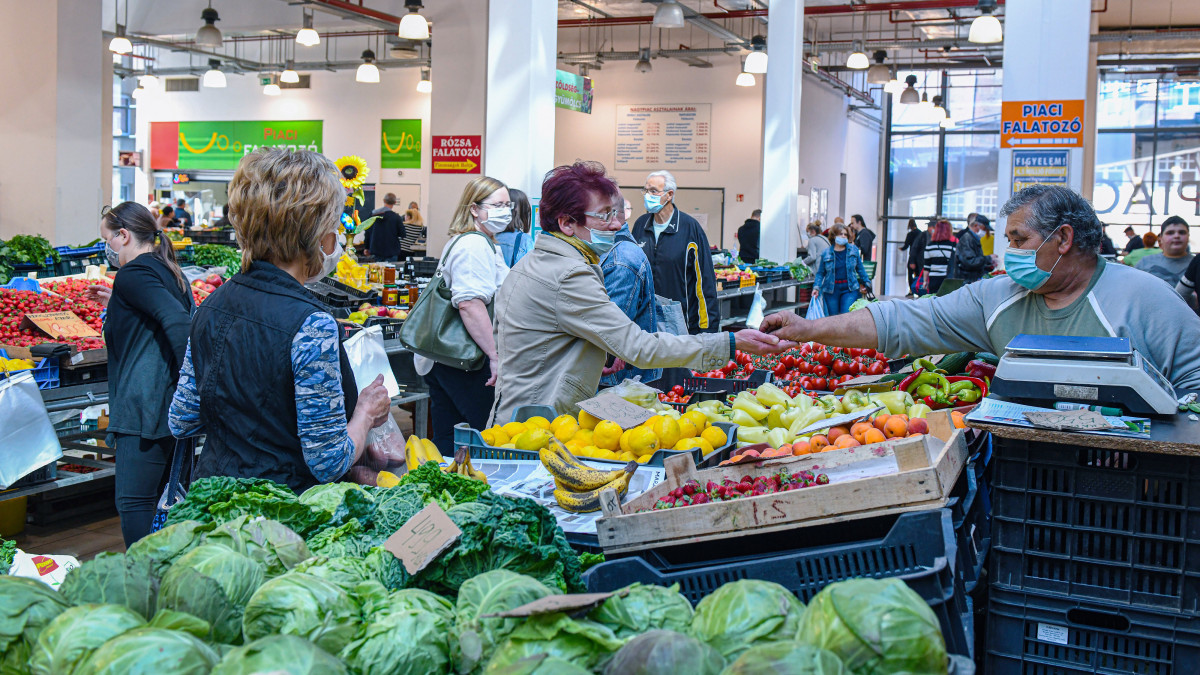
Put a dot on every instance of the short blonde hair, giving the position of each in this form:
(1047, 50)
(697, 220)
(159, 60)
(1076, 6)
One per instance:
(476, 191)
(281, 203)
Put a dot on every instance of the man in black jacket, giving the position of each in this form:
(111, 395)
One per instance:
(679, 255)
(747, 236)
(384, 235)
(971, 264)
(181, 214)
(1135, 242)
(864, 238)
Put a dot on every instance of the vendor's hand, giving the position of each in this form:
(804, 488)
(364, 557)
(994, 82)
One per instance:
(99, 293)
(494, 364)
(756, 342)
(374, 402)
(617, 366)
(787, 326)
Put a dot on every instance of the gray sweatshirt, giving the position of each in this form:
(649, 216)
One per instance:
(1119, 302)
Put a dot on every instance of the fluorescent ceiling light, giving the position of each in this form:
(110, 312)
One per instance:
(669, 15)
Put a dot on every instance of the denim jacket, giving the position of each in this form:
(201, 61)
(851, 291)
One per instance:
(854, 268)
(630, 285)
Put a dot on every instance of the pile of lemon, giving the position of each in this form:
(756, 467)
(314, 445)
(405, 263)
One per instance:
(590, 437)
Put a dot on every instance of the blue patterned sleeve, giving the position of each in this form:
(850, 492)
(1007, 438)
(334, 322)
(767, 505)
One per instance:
(183, 418)
(320, 403)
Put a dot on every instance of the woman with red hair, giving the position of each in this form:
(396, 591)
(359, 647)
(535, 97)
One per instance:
(555, 324)
(939, 254)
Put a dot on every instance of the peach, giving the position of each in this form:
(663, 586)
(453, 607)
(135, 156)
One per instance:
(859, 429)
(835, 432)
(880, 421)
(801, 448)
(873, 436)
(895, 428)
(848, 442)
(918, 425)
(820, 442)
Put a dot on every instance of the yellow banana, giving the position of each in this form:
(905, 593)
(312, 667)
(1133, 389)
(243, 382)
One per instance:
(432, 453)
(583, 502)
(575, 477)
(562, 451)
(410, 454)
(479, 476)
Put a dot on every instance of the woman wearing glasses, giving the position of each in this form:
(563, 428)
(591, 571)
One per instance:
(473, 268)
(555, 323)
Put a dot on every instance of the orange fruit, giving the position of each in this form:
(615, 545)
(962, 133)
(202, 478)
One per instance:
(847, 442)
(880, 420)
(957, 418)
(819, 442)
(895, 427)
(785, 449)
(873, 436)
(836, 432)
(859, 429)
(801, 448)
(750, 453)
(902, 416)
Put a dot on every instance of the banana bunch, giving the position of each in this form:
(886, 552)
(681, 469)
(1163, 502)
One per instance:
(461, 465)
(14, 365)
(578, 486)
(417, 451)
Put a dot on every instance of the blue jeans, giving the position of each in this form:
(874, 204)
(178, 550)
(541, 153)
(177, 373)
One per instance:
(839, 302)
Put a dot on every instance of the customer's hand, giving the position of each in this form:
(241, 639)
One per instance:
(617, 366)
(862, 290)
(494, 364)
(755, 342)
(374, 402)
(99, 293)
(787, 326)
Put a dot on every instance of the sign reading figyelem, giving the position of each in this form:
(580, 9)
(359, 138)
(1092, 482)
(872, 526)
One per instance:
(573, 92)
(221, 145)
(400, 144)
(1057, 124)
(1040, 167)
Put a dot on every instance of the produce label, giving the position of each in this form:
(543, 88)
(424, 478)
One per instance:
(221, 145)
(1046, 124)
(616, 409)
(573, 92)
(400, 144)
(423, 538)
(457, 154)
(59, 325)
(1048, 632)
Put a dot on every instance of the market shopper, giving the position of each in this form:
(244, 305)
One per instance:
(265, 377)
(1175, 257)
(554, 321)
(1056, 284)
(384, 235)
(914, 255)
(678, 250)
(166, 218)
(1189, 282)
(514, 241)
(182, 215)
(864, 238)
(841, 277)
(1134, 243)
(748, 237)
(817, 243)
(1149, 247)
(413, 215)
(630, 285)
(938, 255)
(472, 265)
(970, 262)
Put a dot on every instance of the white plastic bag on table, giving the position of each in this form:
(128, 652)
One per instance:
(636, 392)
(816, 308)
(27, 438)
(49, 569)
(758, 305)
(368, 359)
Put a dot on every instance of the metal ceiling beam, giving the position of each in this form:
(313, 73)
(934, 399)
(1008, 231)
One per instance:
(309, 67)
(188, 47)
(347, 10)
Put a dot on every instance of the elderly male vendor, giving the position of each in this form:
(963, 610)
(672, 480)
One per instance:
(1056, 284)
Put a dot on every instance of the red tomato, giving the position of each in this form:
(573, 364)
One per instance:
(818, 383)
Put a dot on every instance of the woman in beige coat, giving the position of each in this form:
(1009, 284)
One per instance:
(555, 324)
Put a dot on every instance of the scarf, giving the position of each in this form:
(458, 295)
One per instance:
(588, 254)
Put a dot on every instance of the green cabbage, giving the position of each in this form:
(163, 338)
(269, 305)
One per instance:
(665, 652)
(415, 599)
(490, 593)
(69, 640)
(163, 547)
(401, 641)
(447, 488)
(876, 626)
(349, 539)
(279, 654)
(151, 651)
(344, 571)
(213, 583)
(267, 541)
(744, 613)
(182, 622)
(342, 501)
(387, 568)
(541, 664)
(302, 605)
(640, 608)
(26, 607)
(583, 642)
(113, 578)
(220, 498)
(786, 658)
(394, 506)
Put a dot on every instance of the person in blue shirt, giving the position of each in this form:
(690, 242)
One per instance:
(515, 241)
(630, 285)
(841, 276)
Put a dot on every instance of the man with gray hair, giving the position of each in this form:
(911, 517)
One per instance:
(679, 254)
(1056, 284)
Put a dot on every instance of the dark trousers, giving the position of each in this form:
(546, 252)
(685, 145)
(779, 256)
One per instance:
(912, 279)
(143, 469)
(457, 396)
(935, 283)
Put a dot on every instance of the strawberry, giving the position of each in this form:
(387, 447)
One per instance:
(822, 480)
(701, 499)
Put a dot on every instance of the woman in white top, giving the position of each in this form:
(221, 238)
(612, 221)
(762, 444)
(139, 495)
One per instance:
(473, 268)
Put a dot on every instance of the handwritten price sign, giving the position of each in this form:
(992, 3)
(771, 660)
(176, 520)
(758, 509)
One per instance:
(423, 538)
(59, 325)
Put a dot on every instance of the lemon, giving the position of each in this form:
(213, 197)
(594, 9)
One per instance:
(626, 457)
(534, 439)
(488, 436)
(584, 436)
(714, 436)
(686, 444)
(601, 453)
(500, 435)
(698, 419)
(539, 422)
(607, 435)
(591, 451)
(666, 429)
(387, 479)
(625, 439)
(704, 446)
(687, 429)
(508, 446)
(514, 429)
(587, 421)
(564, 428)
(643, 442)
(643, 459)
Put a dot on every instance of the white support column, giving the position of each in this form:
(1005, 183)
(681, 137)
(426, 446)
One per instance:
(521, 60)
(1045, 59)
(781, 131)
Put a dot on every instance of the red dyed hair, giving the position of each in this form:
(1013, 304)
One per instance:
(941, 231)
(567, 190)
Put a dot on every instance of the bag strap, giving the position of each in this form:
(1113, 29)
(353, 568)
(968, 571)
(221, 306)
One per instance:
(454, 242)
(185, 453)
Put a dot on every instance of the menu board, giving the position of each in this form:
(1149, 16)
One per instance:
(675, 136)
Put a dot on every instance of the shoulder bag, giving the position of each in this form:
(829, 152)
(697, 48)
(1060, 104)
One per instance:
(434, 328)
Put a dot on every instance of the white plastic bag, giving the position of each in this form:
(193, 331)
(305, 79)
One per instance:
(369, 359)
(27, 438)
(385, 447)
(816, 308)
(758, 305)
(49, 569)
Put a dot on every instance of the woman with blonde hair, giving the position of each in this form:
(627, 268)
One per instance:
(265, 376)
(473, 268)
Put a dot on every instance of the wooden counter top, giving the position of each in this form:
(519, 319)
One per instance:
(1176, 435)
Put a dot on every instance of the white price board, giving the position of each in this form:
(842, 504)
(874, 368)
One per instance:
(673, 136)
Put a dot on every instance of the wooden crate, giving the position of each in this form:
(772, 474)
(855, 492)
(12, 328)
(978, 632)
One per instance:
(924, 472)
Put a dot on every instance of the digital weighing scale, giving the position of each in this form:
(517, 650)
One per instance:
(1094, 370)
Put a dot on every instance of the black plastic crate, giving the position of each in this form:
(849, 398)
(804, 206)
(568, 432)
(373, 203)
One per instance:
(1034, 633)
(70, 376)
(390, 327)
(1108, 525)
(729, 386)
(919, 548)
(226, 237)
(38, 476)
(971, 514)
(360, 295)
(339, 304)
(583, 543)
(423, 268)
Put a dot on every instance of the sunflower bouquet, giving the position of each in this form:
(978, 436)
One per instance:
(353, 172)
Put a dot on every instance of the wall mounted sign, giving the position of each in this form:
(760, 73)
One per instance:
(400, 144)
(221, 145)
(457, 154)
(669, 136)
(1040, 167)
(1025, 124)
(573, 92)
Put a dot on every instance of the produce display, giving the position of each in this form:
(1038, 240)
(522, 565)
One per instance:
(219, 255)
(30, 249)
(367, 310)
(693, 492)
(14, 305)
(733, 276)
(941, 391)
(8, 549)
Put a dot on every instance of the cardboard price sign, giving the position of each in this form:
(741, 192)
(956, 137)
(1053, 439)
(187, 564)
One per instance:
(570, 604)
(1073, 420)
(423, 538)
(616, 409)
(59, 325)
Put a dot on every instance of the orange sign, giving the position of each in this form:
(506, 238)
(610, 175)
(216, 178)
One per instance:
(1041, 124)
(60, 324)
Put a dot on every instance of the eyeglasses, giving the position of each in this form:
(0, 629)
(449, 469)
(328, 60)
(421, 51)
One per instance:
(654, 191)
(605, 217)
(497, 205)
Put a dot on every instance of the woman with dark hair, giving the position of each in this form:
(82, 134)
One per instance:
(515, 242)
(939, 254)
(555, 324)
(914, 254)
(840, 278)
(146, 330)
(166, 218)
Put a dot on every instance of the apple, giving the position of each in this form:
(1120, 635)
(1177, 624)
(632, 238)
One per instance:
(214, 280)
(371, 311)
(209, 288)
(364, 307)
(401, 314)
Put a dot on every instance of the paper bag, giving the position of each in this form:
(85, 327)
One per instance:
(26, 435)
(368, 359)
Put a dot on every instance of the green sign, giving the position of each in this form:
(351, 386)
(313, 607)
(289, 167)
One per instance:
(221, 145)
(573, 92)
(400, 145)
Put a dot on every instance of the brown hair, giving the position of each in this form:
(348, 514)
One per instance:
(476, 191)
(1149, 239)
(281, 203)
(838, 228)
(141, 225)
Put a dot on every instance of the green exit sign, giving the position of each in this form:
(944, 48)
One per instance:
(264, 80)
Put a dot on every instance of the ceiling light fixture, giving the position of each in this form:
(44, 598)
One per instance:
(643, 63)
(744, 80)
(137, 93)
(272, 88)
(939, 112)
(149, 82)
(289, 75)
(209, 35)
(756, 60)
(858, 59)
(413, 26)
(120, 44)
(910, 96)
(925, 106)
(879, 73)
(368, 72)
(308, 36)
(214, 78)
(425, 85)
(946, 123)
(669, 15)
(986, 29)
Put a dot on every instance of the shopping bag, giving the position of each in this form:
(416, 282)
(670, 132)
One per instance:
(816, 308)
(368, 359)
(669, 314)
(183, 460)
(758, 305)
(27, 438)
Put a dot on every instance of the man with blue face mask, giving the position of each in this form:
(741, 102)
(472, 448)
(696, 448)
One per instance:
(1056, 284)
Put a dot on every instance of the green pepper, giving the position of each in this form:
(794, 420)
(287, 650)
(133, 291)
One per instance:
(924, 390)
(962, 385)
(969, 396)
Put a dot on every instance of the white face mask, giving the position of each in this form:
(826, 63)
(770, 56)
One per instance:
(498, 219)
(329, 262)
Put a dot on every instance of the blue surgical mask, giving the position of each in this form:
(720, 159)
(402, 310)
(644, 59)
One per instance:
(1021, 266)
(602, 241)
(841, 241)
(653, 203)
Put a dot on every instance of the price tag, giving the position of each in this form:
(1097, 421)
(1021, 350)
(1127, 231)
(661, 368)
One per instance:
(59, 325)
(423, 538)
(1075, 420)
(616, 409)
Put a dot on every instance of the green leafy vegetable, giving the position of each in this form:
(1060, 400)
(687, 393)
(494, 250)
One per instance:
(267, 541)
(31, 249)
(220, 498)
(214, 583)
(860, 303)
(387, 568)
(644, 608)
(181, 621)
(279, 654)
(8, 549)
(305, 606)
(490, 593)
(342, 501)
(71, 638)
(345, 571)
(541, 664)
(151, 651)
(415, 599)
(401, 641)
(26, 607)
(219, 255)
(347, 540)
(876, 626)
(394, 506)
(787, 658)
(589, 560)
(165, 546)
(665, 651)
(113, 578)
(580, 641)
(460, 488)
(744, 613)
